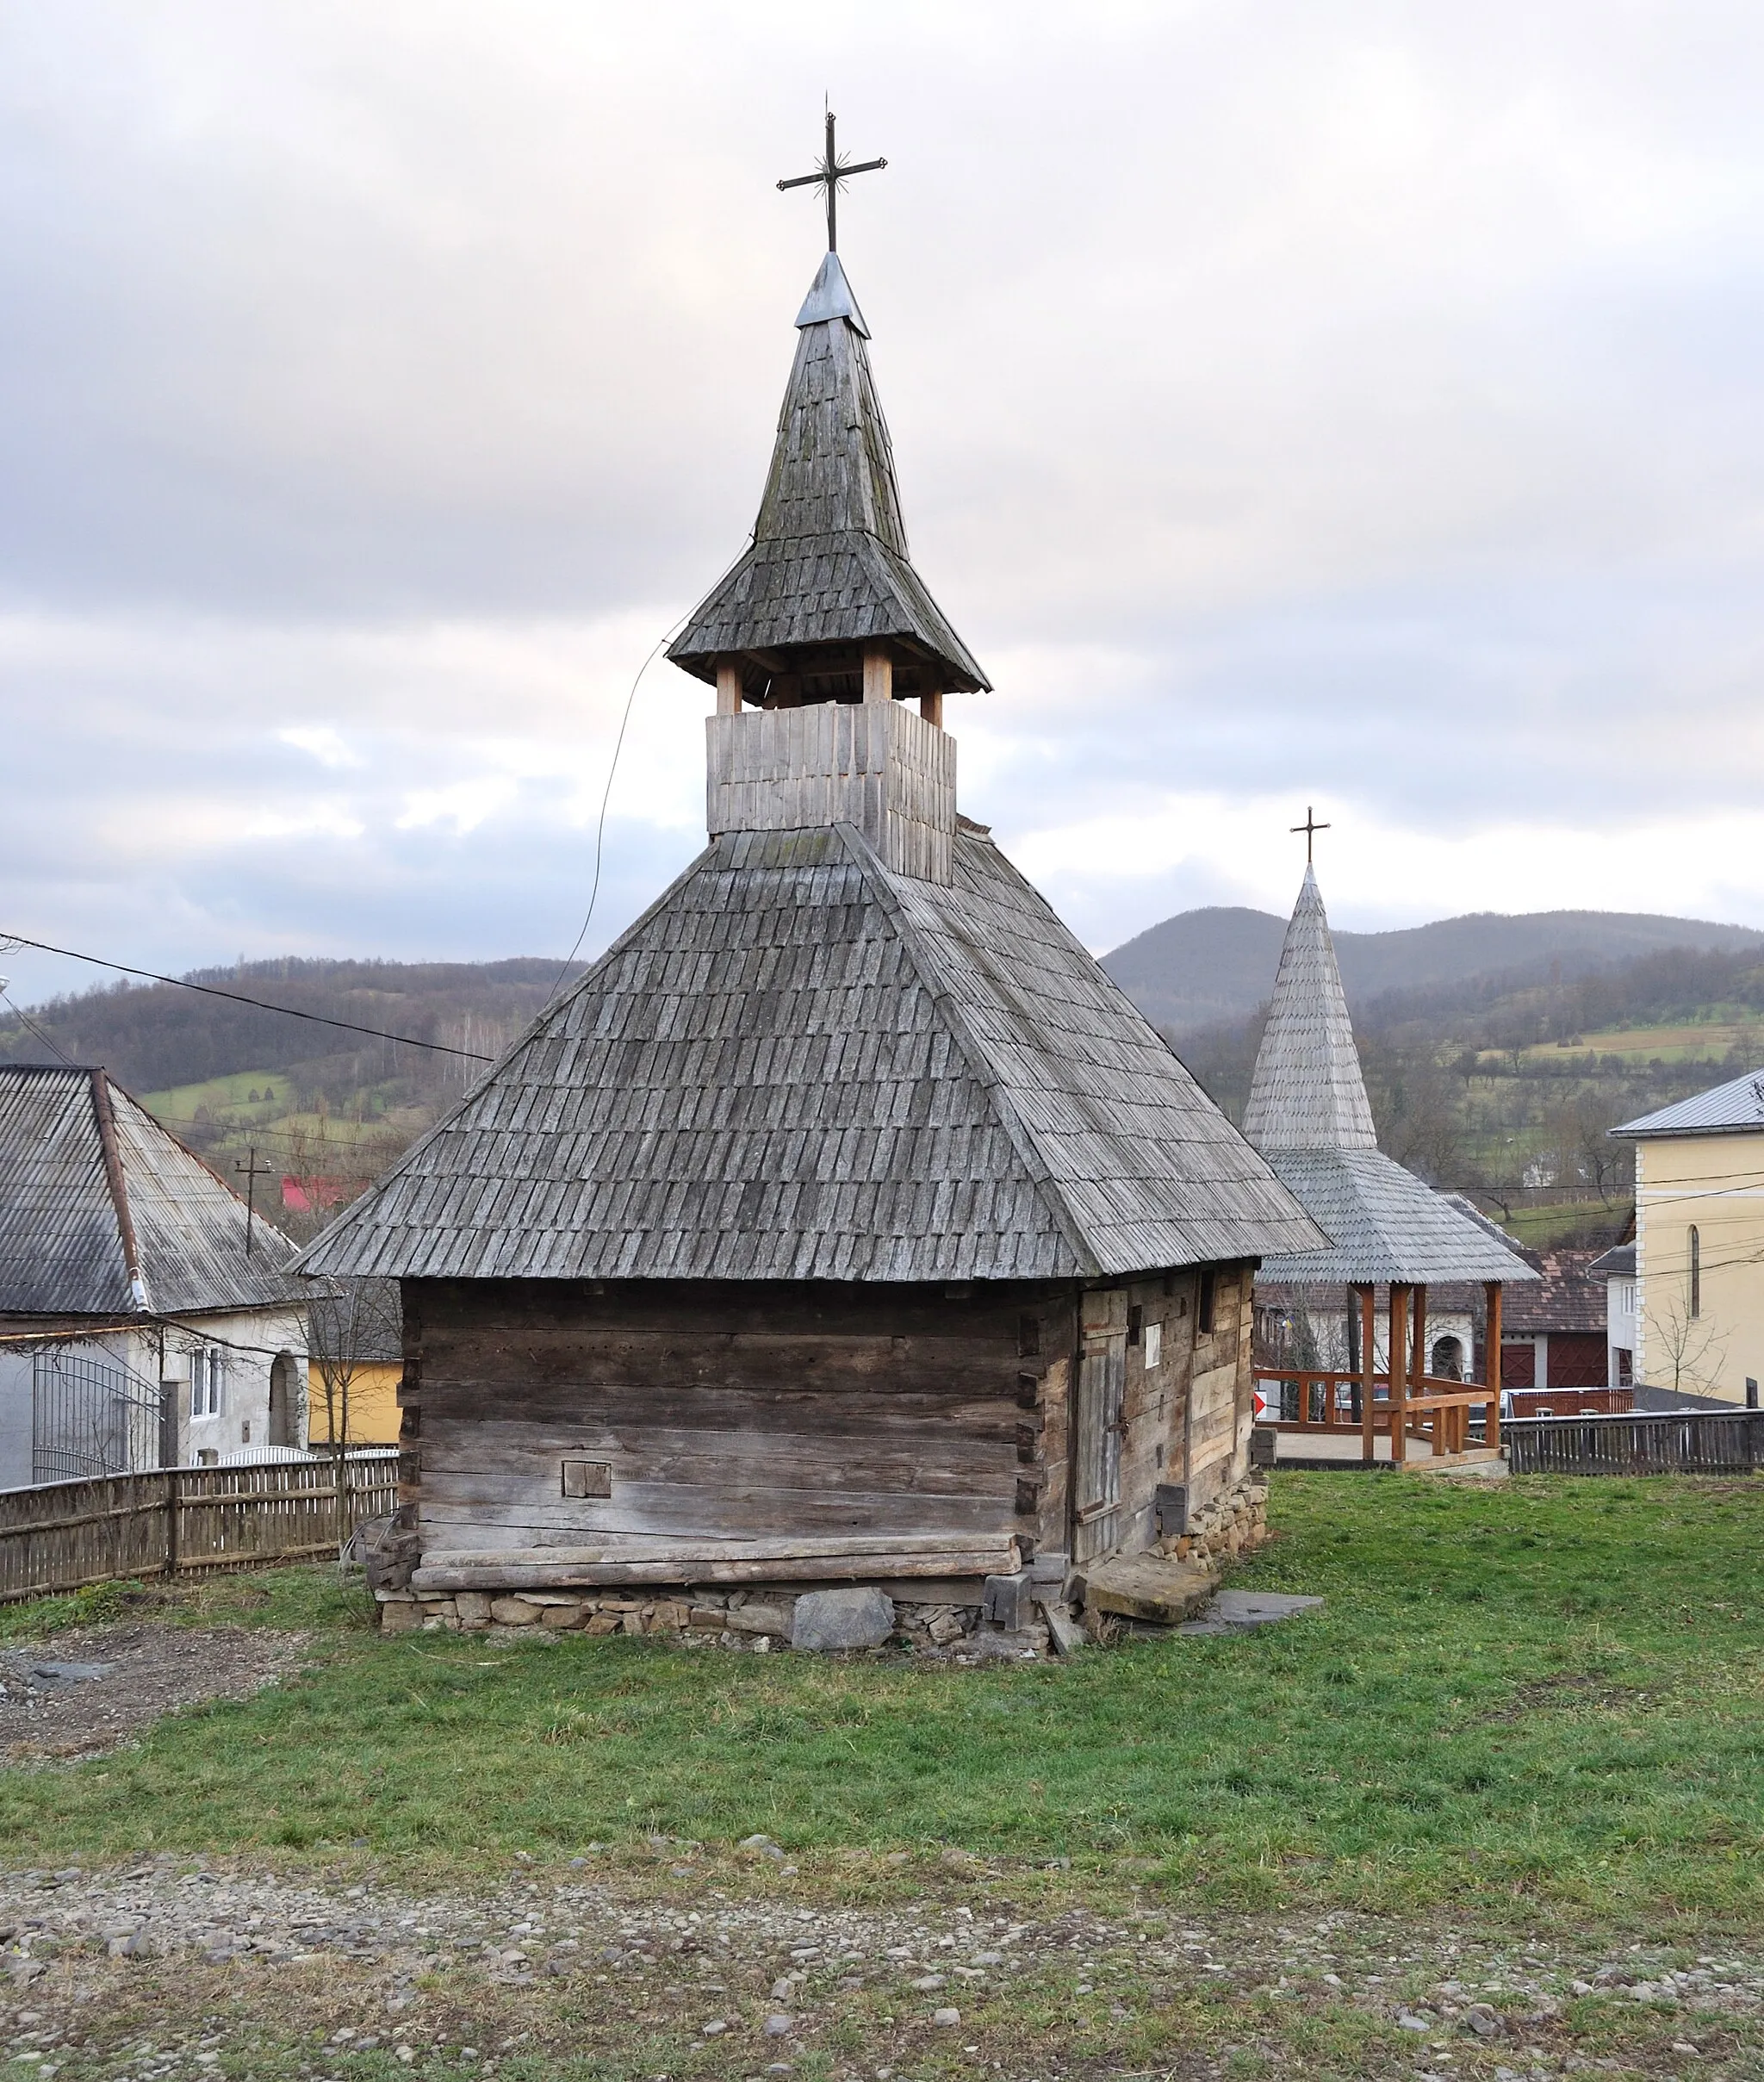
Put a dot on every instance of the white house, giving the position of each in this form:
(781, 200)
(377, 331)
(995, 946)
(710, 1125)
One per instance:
(146, 1319)
(1618, 1267)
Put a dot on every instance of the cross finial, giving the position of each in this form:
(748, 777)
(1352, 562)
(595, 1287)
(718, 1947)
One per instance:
(1310, 828)
(831, 171)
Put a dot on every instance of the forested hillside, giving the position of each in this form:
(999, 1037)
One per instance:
(324, 1111)
(1514, 1089)
(1217, 963)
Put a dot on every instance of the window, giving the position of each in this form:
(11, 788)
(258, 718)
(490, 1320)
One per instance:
(207, 1369)
(1626, 1298)
(1154, 1348)
(1135, 1324)
(1625, 1367)
(1203, 1306)
(1696, 1275)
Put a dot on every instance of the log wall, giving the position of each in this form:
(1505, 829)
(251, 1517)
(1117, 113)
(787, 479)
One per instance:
(604, 1428)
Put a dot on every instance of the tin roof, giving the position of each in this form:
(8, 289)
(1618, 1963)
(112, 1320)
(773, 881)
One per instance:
(828, 563)
(1735, 1107)
(798, 1066)
(104, 1213)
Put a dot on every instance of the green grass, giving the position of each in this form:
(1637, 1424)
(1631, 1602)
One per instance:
(1544, 1692)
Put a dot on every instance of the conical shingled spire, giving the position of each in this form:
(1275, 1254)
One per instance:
(1307, 1091)
(828, 569)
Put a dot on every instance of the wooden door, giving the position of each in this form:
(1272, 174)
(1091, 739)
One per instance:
(1097, 1443)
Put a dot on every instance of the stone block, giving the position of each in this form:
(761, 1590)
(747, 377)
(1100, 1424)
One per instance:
(828, 1620)
(472, 1606)
(669, 1619)
(602, 1623)
(553, 1614)
(755, 1618)
(1006, 1602)
(401, 1616)
(514, 1612)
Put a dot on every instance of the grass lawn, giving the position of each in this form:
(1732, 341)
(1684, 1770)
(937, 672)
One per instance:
(1544, 1692)
(1507, 1782)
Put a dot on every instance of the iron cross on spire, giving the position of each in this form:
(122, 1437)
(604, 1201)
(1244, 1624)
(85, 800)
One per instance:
(828, 174)
(1310, 828)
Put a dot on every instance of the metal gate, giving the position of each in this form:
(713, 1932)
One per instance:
(90, 1416)
(1097, 1490)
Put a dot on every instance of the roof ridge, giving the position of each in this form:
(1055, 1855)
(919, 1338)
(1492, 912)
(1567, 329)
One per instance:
(116, 1183)
(981, 1067)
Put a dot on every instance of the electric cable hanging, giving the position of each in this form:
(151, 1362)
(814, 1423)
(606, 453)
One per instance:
(666, 637)
(10, 941)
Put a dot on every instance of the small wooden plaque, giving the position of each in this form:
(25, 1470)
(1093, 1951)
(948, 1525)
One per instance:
(587, 1478)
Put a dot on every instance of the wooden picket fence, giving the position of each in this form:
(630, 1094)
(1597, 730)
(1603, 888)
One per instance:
(1674, 1442)
(169, 1521)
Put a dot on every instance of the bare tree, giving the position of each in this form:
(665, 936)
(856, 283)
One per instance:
(1690, 1349)
(355, 1323)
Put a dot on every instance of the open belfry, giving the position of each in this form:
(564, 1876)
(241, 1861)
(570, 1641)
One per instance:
(844, 1224)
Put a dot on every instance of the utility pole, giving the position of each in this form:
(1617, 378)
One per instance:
(252, 1175)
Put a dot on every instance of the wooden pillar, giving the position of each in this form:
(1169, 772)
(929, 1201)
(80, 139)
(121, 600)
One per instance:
(728, 686)
(1492, 1368)
(1418, 1348)
(1398, 1373)
(879, 674)
(931, 707)
(1369, 1368)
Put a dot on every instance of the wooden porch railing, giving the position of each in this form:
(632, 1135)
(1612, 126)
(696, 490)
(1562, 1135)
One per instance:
(1314, 1399)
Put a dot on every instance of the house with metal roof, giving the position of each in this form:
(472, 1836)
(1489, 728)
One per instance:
(1698, 1270)
(844, 1223)
(147, 1315)
(1388, 1233)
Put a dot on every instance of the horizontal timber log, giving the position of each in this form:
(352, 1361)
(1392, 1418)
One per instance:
(446, 1572)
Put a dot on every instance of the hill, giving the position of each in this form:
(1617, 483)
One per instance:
(324, 1111)
(1202, 967)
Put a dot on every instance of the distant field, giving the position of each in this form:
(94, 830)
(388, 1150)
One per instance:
(1693, 1042)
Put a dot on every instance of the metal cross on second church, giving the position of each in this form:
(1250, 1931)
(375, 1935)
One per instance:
(828, 174)
(1310, 828)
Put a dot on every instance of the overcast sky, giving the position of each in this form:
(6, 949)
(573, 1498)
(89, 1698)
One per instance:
(1349, 404)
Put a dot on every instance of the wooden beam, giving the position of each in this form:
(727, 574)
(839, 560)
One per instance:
(1492, 1363)
(931, 707)
(728, 686)
(1368, 1370)
(1417, 1369)
(879, 674)
(1399, 1373)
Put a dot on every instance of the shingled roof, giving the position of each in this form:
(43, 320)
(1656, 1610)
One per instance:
(1309, 1116)
(1307, 1091)
(798, 1066)
(104, 1213)
(828, 563)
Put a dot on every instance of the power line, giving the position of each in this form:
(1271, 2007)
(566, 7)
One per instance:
(25, 1020)
(14, 940)
(612, 772)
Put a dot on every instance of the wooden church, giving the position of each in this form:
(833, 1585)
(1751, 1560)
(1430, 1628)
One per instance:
(844, 1223)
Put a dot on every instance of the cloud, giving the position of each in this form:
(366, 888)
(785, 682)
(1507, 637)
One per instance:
(1359, 406)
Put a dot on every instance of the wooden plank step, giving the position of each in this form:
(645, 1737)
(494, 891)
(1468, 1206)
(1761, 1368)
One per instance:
(1149, 1586)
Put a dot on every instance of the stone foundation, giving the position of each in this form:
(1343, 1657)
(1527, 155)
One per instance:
(757, 1620)
(1233, 1524)
(942, 1620)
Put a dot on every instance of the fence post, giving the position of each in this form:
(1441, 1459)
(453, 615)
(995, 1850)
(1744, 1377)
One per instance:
(173, 1503)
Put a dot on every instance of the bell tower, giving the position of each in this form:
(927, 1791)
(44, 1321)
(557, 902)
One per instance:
(823, 630)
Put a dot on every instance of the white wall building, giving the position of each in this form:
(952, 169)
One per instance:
(146, 1319)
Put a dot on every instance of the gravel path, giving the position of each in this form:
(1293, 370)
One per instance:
(732, 1958)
